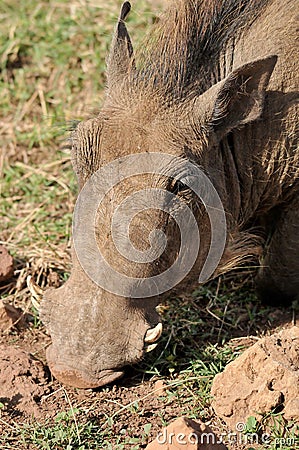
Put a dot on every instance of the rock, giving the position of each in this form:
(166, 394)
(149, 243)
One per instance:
(10, 317)
(263, 379)
(22, 381)
(6, 264)
(186, 434)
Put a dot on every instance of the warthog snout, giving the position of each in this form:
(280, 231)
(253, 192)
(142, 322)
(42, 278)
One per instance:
(94, 333)
(79, 378)
(83, 379)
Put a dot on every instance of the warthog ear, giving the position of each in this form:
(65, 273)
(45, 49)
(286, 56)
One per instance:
(240, 97)
(121, 53)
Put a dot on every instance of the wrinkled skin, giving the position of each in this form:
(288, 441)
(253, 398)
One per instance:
(240, 128)
(102, 350)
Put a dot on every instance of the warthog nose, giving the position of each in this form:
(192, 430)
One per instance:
(77, 379)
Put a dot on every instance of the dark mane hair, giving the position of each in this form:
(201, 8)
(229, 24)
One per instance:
(185, 48)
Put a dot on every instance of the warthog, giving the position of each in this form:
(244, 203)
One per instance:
(215, 86)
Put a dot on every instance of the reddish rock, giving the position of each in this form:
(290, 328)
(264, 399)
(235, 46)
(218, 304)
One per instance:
(6, 264)
(264, 377)
(186, 434)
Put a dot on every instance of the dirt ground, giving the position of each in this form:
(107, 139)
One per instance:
(29, 394)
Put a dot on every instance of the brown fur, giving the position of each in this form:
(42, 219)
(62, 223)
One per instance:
(183, 57)
(207, 89)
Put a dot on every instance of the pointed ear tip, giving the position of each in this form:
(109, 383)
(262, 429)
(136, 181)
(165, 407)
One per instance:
(125, 9)
(266, 63)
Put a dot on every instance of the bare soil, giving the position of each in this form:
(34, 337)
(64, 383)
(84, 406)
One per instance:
(29, 393)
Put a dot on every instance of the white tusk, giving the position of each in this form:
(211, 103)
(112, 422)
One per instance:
(151, 347)
(153, 334)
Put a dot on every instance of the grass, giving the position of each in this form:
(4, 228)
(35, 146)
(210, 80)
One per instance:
(52, 64)
(52, 68)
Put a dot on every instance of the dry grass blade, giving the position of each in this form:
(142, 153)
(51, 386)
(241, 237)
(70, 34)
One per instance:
(36, 292)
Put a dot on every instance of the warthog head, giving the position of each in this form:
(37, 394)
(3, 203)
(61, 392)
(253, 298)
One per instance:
(103, 319)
